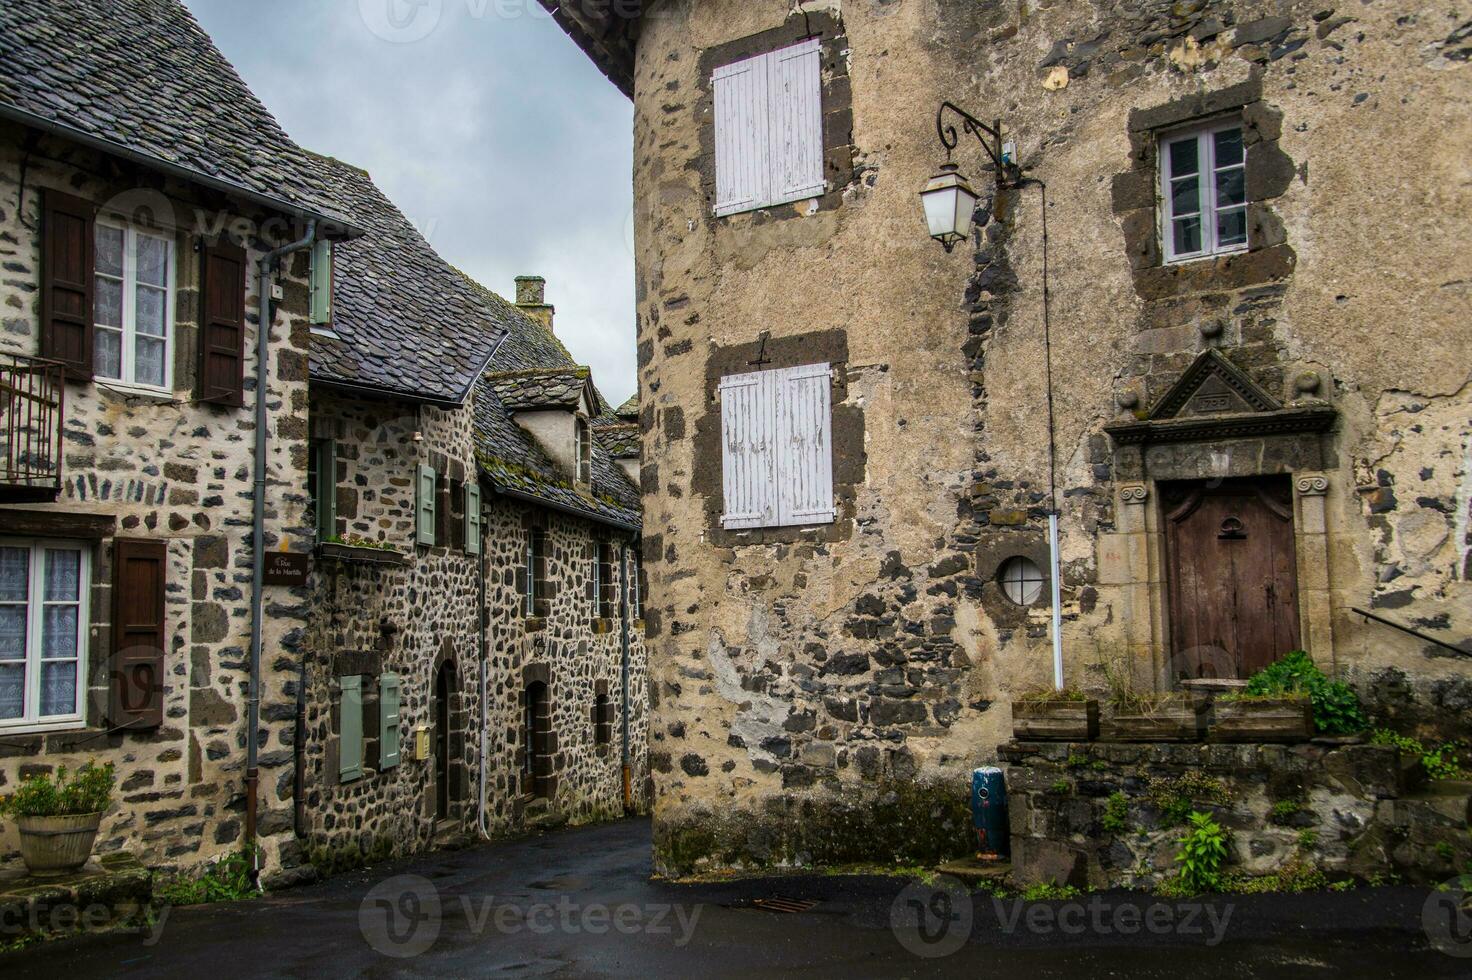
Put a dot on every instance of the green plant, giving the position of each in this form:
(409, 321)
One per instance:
(1439, 763)
(1202, 854)
(89, 790)
(1059, 786)
(225, 880)
(1045, 694)
(1176, 796)
(1294, 877)
(1336, 708)
(1307, 838)
(1115, 810)
(1445, 850)
(1285, 810)
(358, 541)
(1047, 891)
(1076, 761)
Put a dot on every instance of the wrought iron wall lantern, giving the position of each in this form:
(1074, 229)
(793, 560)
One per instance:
(948, 198)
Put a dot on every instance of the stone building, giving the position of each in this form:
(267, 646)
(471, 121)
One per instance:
(133, 225)
(445, 460)
(1250, 427)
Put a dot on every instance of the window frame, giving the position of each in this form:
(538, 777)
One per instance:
(1206, 193)
(1029, 582)
(127, 311)
(776, 405)
(36, 584)
(583, 450)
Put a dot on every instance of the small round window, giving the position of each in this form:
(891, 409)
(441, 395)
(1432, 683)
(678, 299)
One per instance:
(1022, 580)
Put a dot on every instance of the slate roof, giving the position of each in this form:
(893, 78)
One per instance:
(554, 387)
(407, 322)
(629, 409)
(621, 439)
(142, 75)
(512, 459)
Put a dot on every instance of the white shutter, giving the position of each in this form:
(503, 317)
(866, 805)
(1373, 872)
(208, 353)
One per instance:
(804, 445)
(742, 117)
(796, 106)
(748, 430)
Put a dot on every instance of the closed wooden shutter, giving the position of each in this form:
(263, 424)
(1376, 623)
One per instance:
(350, 728)
(137, 676)
(742, 117)
(222, 325)
(804, 445)
(796, 128)
(424, 506)
(472, 517)
(321, 283)
(748, 430)
(388, 721)
(67, 268)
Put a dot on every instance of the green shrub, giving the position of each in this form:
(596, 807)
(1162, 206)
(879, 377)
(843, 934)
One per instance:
(226, 880)
(1115, 810)
(1286, 809)
(1336, 707)
(89, 790)
(1175, 797)
(1202, 854)
(1047, 891)
(1439, 763)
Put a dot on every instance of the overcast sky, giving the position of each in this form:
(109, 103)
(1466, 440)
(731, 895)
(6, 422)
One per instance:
(483, 122)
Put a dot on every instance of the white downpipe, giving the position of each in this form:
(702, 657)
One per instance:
(1055, 575)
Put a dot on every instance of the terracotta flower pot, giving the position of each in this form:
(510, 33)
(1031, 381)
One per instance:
(53, 846)
(1070, 721)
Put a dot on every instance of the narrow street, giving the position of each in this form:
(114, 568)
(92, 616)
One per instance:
(580, 903)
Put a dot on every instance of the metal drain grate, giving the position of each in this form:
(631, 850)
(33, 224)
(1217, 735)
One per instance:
(784, 905)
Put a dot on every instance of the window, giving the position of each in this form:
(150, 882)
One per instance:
(389, 687)
(602, 717)
(536, 754)
(43, 633)
(1203, 187)
(636, 584)
(769, 129)
(533, 574)
(584, 450)
(133, 306)
(321, 288)
(1021, 579)
(322, 487)
(425, 506)
(606, 583)
(777, 458)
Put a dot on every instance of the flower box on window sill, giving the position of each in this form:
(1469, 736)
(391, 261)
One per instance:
(332, 551)
(535, 624)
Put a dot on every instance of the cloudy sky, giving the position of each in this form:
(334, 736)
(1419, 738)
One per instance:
(485, 125)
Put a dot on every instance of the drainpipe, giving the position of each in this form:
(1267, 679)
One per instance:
(268, 265)
(623, 616)
(480, 818)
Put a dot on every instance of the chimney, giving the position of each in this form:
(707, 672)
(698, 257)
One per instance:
(531, 297)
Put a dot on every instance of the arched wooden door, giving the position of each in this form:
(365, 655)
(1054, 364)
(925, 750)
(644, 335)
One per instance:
(1233, 577)
(444, 691)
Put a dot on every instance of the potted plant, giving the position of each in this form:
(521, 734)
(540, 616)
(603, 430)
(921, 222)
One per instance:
(58, 819)
(1170, 717)
(1285, 717)
(1049, 714)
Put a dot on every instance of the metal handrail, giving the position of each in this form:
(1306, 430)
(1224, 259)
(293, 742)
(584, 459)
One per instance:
(1406, 629)
(32, 393)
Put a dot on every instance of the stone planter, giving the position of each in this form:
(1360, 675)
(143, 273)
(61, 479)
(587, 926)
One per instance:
(54, 846)
(1173, 722)
(1262, 720)
(1067, 721)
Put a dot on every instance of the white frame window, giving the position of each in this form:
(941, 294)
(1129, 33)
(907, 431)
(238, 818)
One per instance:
(1203, 192)
(769, 129)
(145, 304)
(1022, 580)
(23, 638)
(777, 447)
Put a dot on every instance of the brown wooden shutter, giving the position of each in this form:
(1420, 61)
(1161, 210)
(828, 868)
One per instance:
(137, 678)
(67, 267)
(222, 324)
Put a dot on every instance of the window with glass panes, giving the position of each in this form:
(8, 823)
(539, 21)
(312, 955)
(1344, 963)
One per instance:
(133, 306)
(1203, 180)
(43, 639)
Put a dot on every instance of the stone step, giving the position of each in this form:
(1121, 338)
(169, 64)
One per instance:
(974, 871)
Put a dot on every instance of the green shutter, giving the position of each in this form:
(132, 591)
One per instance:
(472, 517)
(388, 721)
(350, 741)
(322, 283)
(326, 502)
(424, 507)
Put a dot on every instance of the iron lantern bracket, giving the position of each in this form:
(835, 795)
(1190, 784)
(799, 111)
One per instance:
(1009, 174)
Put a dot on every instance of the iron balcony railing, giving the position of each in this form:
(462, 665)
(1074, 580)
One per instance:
(31, 400)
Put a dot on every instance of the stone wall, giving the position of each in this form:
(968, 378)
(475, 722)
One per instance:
(415, 612)
(1103, 814)
(800, 672)
(171, 469)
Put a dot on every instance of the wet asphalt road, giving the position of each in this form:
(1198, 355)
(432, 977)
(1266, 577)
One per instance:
(580, 902)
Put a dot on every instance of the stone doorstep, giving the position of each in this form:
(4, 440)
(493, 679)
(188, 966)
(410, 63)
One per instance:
(117, 883)
(974, 871)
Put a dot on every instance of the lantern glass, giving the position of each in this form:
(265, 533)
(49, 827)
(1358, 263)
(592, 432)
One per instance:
(949, 205)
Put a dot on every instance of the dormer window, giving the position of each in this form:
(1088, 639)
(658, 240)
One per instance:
(584, 452)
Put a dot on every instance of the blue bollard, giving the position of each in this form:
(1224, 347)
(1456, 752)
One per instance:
(989, 812)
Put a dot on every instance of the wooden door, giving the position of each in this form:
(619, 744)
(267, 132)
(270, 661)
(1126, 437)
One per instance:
(442, 691)
(1233, 582)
